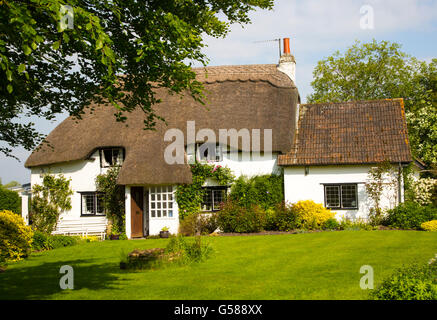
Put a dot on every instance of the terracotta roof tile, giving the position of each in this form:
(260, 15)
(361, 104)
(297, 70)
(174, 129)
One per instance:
(350, 133)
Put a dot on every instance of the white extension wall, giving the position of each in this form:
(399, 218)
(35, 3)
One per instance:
(250, 164)
(298, 186)
(82, 174)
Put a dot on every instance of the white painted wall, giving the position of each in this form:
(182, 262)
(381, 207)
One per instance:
(298, 186)
(82, 174)
(249, 164)
(25, 207)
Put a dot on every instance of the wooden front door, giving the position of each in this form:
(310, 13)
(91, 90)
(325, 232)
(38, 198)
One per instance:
(137, 206)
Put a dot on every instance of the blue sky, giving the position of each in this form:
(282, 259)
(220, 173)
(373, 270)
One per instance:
(317, 28)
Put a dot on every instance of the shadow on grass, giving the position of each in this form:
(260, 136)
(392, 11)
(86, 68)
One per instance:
(42, 281)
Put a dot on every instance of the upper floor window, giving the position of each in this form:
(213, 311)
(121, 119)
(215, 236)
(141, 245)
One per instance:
(110, 157)
(341, 196)
(209, 152)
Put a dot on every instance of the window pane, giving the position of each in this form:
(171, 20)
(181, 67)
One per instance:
(332, 196)
(100, 207)
(153, 213)
(107, 155)
(207, 200)
(218, 153)
(170, 213)
(87, 204)
(218, 198)
(349, 196)
(115, 155)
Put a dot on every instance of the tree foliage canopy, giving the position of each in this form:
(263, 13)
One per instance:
(380, 70)
(47, 68)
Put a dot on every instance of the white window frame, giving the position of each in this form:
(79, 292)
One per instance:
(119, 160)
(162, 202)
(213, 191)
(95, 195)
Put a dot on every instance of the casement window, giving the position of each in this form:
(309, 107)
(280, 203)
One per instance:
(161, 202)
(213, 197)
(110, 157)
(92, 204)
(341, 196)
(209, 152)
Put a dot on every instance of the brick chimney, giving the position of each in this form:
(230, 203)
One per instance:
(287, 63)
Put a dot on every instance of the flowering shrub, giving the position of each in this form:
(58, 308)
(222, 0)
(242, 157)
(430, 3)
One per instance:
(415, 282)
(90, 238)
(423, 190)
(281, 218)
(410, 215)
(198, 224)
(15, 237)
(310, 215)
(429, 226)
(235, 218)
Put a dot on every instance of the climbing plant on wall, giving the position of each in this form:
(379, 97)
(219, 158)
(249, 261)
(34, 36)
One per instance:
(190, 196)
(113, 199)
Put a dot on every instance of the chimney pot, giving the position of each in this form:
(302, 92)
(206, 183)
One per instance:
(286, 45)
(287, 63)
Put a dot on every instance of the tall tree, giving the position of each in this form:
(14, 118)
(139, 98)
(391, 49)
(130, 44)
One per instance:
(380, 70)
(56, 58)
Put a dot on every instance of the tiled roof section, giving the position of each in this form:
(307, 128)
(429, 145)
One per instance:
(350, 133)
(255, 72)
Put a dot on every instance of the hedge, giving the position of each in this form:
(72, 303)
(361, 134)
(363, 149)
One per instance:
(10, 200)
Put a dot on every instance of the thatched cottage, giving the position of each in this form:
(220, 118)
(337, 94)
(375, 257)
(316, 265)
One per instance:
(325, 150)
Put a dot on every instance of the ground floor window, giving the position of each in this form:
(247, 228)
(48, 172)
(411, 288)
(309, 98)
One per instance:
(92, 204)
(341, 196)
(213, 197)
(161, 202)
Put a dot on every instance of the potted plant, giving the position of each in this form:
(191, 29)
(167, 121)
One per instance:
(114, 236)
(164, 233)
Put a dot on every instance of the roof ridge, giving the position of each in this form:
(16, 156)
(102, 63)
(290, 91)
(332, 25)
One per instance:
(236, 66)
(350, 101)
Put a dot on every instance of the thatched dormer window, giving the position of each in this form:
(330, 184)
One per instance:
(111, 157)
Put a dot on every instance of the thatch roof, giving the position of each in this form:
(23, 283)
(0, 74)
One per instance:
(358, 132)
(252, 97)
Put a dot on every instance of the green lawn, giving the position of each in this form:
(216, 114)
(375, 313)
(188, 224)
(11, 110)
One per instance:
(302, 266)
